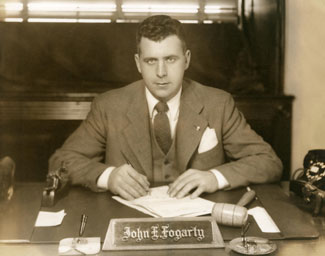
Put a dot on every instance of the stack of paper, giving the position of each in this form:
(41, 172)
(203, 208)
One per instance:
(159, 204)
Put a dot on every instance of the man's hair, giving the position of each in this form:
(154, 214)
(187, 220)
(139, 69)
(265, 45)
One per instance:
(158, 27)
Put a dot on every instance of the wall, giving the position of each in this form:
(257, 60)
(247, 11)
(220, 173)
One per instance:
(305, 74)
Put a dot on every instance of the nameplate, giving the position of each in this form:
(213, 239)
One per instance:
(162, 233)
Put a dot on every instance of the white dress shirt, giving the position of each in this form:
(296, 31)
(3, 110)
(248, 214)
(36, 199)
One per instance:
(172, 113)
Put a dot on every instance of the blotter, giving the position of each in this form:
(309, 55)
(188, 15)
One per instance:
(162, 233)
(79, 246)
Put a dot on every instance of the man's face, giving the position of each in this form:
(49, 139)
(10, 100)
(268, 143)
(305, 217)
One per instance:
(162, 65)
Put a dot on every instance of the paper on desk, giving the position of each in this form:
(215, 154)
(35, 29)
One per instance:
(159, 204)
(49, 219)
(264, 220)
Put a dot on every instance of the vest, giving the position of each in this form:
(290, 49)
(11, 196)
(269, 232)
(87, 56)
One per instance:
(164, 166)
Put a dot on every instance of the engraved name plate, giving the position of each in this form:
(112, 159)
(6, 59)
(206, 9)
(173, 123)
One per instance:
(162, 233)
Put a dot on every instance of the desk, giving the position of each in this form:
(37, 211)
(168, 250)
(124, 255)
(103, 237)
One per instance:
(292, 247)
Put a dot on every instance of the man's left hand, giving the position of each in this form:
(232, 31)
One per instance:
(203, 181)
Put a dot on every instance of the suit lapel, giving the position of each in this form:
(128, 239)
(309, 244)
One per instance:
(190, 127)
(137, 133)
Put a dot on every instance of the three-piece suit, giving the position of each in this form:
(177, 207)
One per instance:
(118, 130)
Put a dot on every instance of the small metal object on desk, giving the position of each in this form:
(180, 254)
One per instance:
(55, 184)
(243, 234)
(80, 245)
(82, 228)
(250, 245)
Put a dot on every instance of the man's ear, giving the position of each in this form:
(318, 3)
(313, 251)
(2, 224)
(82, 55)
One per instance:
(137, 62)
(187, 59)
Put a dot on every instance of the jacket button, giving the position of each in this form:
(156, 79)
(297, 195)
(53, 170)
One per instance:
(167, 176)
(166, 161)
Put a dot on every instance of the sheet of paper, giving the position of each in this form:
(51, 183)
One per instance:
(264, 220)
(139, 208)
(49, 219)
(159, 204)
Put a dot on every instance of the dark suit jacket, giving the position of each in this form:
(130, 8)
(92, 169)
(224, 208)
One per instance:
(117, 128)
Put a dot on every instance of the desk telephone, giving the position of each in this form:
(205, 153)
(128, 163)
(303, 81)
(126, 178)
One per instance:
(309, 182)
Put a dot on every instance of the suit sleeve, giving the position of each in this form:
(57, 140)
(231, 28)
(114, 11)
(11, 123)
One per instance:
(252, 160)
(83, 152)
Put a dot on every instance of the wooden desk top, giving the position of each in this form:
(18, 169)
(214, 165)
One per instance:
(292, 247)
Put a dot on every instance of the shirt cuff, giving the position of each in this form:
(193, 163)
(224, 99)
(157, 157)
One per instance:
(102, 181)
(222, 182)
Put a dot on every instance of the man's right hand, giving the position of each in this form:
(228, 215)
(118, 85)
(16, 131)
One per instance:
(128, 183)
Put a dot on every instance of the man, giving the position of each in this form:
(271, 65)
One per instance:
(194, 139)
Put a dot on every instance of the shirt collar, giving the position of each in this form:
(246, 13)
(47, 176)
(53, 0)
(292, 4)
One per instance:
(173, 104)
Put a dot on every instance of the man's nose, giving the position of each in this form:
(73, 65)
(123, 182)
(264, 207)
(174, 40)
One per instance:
(161, 69)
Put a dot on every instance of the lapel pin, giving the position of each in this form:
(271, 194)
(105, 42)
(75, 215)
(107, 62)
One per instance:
(198, 128)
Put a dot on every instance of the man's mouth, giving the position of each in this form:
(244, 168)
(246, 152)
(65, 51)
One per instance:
(162, 83)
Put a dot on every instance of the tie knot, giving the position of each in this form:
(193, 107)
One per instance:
(161, 107)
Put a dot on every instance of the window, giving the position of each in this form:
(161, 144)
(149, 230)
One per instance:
(119, 11)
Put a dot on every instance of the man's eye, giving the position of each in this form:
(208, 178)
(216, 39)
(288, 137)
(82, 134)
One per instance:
(151, 61)
(171, 59)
